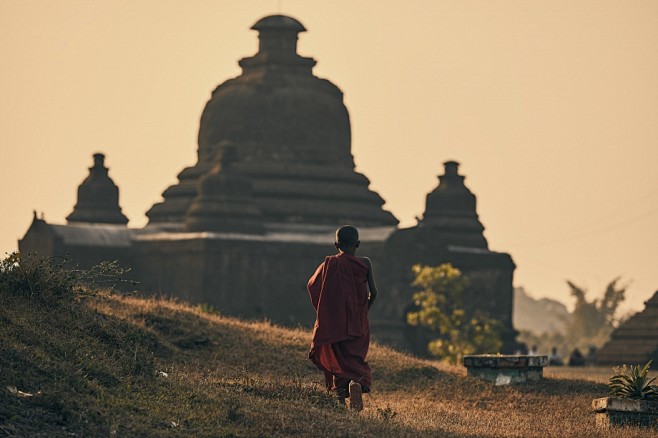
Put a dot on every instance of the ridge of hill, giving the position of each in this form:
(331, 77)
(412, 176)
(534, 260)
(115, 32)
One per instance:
(539, 316)
(104, 364)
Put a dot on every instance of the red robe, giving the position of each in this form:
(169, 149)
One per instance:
(341, 334)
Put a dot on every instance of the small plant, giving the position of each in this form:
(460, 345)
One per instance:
(208, 309)
(386, 414)
(633, 383)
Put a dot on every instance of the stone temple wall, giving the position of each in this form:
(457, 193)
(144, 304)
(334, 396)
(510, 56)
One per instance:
(258, 277)
(249, 278)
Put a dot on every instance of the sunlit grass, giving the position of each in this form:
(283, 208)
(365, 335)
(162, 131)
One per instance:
(124, 366)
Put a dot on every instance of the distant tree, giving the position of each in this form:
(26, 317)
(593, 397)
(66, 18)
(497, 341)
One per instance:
(593, 321)
(440, 309)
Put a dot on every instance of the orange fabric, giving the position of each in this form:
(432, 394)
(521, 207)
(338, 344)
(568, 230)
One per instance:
(341, 334)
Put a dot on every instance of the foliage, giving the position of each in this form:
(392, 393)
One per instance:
(589, 325)
(386, 414)
(593, 321)
(633, 383)
(52, 278)
(208, 308)
(441, 310)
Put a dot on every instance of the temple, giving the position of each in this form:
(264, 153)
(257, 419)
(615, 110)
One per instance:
(247, 224)
(635, 341)
(98, 197)
(291, 135)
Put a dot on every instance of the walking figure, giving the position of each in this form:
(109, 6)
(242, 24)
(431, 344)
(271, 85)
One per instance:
(342, 291)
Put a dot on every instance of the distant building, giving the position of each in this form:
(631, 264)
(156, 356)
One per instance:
(635, 342)
(246, 226)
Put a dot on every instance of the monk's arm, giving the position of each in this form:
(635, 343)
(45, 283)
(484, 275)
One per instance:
(372, 286)
(314, 285)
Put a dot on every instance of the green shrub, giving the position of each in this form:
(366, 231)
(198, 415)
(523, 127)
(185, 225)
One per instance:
(440, 309)
(633, 383)
(52, 278)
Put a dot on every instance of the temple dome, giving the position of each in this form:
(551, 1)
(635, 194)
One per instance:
(279, 22)
(292, 133)
(98, 197)
(277, 109)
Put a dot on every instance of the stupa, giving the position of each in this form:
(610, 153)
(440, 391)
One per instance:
(450, 232)
(291, 133)
(98, 197)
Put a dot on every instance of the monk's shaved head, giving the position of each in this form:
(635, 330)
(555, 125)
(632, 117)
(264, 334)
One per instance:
(347, 236)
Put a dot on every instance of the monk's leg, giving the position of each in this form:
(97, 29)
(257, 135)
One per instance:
(351, 356)
(341, 386)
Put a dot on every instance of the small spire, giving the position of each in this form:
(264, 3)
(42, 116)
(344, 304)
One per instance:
(277, 35)
(450, 209)
(279, 22)
(224, 201)
(228, 155)
(99, 161)
(277, 44)
(98, 197)
(451, 167)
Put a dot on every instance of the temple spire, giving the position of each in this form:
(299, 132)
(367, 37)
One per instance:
(277, 45)
(98, 197)
(450, 209)
(224, 202)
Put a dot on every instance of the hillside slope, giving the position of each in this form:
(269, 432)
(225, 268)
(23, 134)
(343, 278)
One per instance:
(109, 365)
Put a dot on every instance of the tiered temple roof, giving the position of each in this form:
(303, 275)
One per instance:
(450, 211)
(291, 132)
(224, 202)
(98, 197)
(635, 341)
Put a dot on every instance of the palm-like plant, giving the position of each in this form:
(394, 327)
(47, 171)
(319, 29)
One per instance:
(633, 383)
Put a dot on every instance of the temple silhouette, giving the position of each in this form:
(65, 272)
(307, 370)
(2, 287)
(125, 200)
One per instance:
(245, 227)
(635, 341)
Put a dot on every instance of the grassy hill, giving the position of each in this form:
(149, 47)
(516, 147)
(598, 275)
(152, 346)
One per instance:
(109, 365)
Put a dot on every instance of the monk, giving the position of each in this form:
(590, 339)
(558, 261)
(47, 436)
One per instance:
(342, 291)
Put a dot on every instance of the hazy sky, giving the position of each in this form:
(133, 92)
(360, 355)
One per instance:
(551, 107)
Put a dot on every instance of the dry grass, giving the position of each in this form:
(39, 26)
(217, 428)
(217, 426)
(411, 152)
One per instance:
(100, 368)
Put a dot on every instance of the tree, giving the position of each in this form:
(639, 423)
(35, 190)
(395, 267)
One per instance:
(440, 309)
(592, 322)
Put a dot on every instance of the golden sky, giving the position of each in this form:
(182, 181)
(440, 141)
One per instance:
(550, 106)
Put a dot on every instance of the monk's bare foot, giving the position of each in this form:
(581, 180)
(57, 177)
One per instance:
(356, 401)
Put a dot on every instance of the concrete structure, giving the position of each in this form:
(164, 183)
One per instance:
(614, 412)
(245, 227)
(506, 369)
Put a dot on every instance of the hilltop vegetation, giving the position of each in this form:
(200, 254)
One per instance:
(547, 323)
(81, 363)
